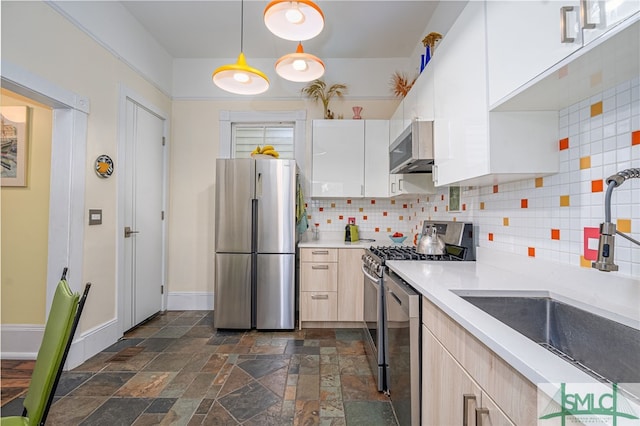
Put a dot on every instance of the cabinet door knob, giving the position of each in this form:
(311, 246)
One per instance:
(479, 413)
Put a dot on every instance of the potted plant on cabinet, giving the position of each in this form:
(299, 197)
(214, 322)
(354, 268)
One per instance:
(317, 90)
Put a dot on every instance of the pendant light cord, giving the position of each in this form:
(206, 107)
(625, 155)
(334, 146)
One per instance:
(242, 26)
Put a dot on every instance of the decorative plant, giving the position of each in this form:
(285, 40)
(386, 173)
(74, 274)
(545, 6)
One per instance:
(400, 84)
(317, 90)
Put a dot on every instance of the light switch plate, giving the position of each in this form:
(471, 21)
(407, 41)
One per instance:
(95, 216)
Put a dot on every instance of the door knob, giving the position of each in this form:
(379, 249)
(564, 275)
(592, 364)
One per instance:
(128, 232)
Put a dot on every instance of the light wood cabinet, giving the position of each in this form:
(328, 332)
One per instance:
(455, 364)
(331, 286)
(318, 284)
(350, 285)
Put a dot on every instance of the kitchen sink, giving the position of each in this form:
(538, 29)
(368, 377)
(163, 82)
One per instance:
(605, 349)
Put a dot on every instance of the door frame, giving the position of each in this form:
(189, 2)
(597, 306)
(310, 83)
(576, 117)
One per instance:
(68, 164)
(127, 94)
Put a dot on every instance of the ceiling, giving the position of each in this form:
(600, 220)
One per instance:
(353, 28)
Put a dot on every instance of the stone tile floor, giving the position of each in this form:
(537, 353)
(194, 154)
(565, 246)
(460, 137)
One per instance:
(177, 369)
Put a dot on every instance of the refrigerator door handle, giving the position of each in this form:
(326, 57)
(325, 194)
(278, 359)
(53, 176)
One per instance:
(259, 186)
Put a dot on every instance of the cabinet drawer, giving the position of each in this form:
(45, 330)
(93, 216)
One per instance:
(319, 255)
(318, 306)
(318, 276)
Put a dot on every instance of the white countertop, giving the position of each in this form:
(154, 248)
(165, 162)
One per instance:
(435, 280)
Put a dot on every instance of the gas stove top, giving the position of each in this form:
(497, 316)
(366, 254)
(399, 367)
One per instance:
(385, 253)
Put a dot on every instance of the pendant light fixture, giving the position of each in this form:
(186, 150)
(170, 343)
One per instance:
(300, 66)
(240, 78)
(294, 20)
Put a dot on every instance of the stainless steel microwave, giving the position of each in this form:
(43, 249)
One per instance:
(412, 151)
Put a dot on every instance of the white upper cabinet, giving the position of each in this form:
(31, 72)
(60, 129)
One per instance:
(527, 38)
(396, 123)
(418, 104)
(338, 158)
(350, 158)
(473, 146)
(376, 158)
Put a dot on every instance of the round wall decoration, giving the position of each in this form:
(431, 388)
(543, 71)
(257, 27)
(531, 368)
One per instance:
(104, 166)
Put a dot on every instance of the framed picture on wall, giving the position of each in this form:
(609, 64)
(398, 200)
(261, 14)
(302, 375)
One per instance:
(14, 121)
(454, 198)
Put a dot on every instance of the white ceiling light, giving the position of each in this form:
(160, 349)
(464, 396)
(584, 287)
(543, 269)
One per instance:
(240, 78)
(300, 66)
(294, 20)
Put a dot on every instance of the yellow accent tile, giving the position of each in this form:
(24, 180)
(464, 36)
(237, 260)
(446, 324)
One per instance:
(388, 229)
(505, 221)
(481, 205)
(328, 220)
(564, 201)
(400, 217)
(585, 162)
(333, 205)
(596, 109)
(623, 225)
(585, 263)
(539, 182)
(393, 202)
(361, 209)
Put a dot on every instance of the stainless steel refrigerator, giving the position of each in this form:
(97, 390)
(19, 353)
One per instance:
(255, 244)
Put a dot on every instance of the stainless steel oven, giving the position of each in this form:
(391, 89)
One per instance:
(374, 312)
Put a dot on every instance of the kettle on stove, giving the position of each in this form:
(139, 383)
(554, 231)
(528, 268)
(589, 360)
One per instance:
(431, 242)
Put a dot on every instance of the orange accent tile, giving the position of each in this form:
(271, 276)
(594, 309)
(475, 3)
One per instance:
(564, 144)
(321, 209)
(364, 217)
(505, 221)
(435, 208)
(585, 263)
(481, 205)
(373, 201)
(585, 162)
(596, 109)
(360, 209)
(423, 210)
(446, 208)
(442, 197)
(464, 207)
(539, 182)
(635, 137)
(384, 214)
(393, 202)
(564, 201)
(341, 217)
(309, 216)
(597, 185)
(388, 229)
(524, 203)
(348, 201)
(495, 189)
(333, 205)
(555, 234)
(404, 206)
(400, 217)
(531, 251)
(329, 221)
(490, 236)
(377, 229)
(306, 205)
(623, 225)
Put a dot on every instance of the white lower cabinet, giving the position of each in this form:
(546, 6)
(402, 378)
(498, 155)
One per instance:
(463, 379)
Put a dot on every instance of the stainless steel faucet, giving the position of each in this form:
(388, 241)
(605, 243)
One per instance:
(606, 243)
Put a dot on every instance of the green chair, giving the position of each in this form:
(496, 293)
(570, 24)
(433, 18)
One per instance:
(66, 309)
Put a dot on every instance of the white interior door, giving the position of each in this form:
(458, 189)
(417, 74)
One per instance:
(143, 216)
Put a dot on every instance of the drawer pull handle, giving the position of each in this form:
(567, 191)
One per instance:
(320, 252)
(465, 407)
(320, 267)
(479, 413)
(320, 297)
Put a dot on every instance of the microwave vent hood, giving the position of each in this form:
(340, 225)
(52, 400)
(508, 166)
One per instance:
(412, 151)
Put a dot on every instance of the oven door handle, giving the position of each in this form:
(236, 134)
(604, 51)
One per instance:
(368, 275)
